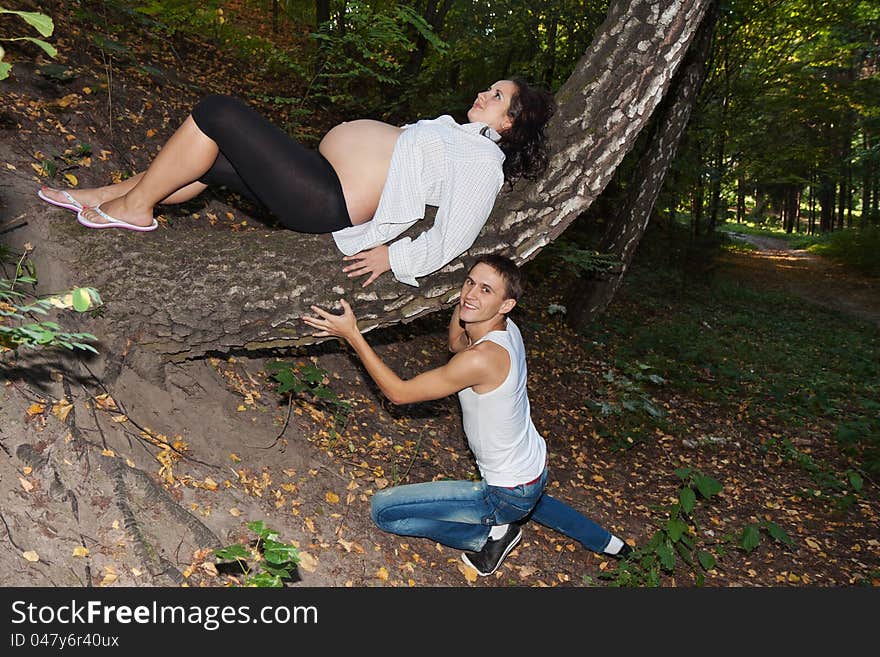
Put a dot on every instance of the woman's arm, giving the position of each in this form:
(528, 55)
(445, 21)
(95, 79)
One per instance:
(460, 218)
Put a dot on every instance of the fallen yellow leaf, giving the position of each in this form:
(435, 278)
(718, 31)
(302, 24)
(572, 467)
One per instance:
(69, 177)
(108, 452)
(210, 484)
(469, 573)
(382, 574)
(331, 497)
(31, 556)
(35, 409)
(80, 551)
(61, 409)
(307, 562)
(28, 486)
(234, 512)
(106, 402)
(120, 418)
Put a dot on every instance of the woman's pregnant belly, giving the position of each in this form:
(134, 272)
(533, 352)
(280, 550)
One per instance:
(360, 153)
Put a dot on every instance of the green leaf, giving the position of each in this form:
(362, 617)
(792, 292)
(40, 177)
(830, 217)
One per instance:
(233, 552)
(675, 528)
(855, 481)
(81, 300)
(42, 23)
(284, 573)
(683, 473)
(47, 47)
(706, 559)
(778, 533)
(688, 498)
(265, 580)
(666, 555)
(4, 67)
(259, 528)
(750, 538)
(707, 486)
(279, 553)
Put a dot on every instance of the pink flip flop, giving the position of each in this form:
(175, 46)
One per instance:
(112, 222)
(72, 203)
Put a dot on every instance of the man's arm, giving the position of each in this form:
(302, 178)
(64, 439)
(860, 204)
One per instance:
(465, 369)
(458, 338)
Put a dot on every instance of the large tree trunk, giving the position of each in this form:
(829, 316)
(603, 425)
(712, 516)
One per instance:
(184, 292)
(591, 295)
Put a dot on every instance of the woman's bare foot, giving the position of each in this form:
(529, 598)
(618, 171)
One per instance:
(92, 196)
(119, 209)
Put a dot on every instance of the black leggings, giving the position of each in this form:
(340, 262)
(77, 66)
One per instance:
(297, 184)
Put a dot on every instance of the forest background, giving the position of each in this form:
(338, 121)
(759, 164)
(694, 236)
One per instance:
(727, 421)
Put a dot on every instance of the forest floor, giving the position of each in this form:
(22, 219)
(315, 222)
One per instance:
(125, 483)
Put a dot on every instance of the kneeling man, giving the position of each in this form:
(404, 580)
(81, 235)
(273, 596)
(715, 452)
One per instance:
(488, 372)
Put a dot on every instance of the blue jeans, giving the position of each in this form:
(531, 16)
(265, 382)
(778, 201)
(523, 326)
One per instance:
(461, 513)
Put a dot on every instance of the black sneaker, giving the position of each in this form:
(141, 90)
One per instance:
(624, 552)
(487, 560)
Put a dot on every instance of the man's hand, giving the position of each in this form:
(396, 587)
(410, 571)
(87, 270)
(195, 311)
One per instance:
(342, 326)
(373, 262)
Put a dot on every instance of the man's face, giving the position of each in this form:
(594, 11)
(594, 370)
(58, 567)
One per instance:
(483, 295)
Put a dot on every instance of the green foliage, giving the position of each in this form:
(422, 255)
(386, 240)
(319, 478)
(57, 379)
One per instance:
(360, 65)
(856, 248)
(761, 355)
(581, 260)
(41, 23)
(19, 327)
(172, 16)
(841, 489)
(309, 382)
(623, 395)
(265, 562)
(678, 539)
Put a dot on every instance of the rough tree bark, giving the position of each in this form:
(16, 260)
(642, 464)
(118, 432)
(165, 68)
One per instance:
(182, 293)
(590, 296)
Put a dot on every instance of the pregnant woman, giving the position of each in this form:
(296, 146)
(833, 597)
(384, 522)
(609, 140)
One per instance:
(366, 184)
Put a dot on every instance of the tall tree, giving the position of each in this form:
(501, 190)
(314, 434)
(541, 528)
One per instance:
(180, 295)
(590, 295)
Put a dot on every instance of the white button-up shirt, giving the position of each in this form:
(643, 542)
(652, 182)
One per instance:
(435, 162)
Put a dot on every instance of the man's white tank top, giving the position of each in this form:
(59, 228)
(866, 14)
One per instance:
(498, 424)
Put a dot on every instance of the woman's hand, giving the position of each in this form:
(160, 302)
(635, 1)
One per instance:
(342, 326)
(373, 262)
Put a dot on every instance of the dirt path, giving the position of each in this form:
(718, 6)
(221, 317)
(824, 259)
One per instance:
(811, 277)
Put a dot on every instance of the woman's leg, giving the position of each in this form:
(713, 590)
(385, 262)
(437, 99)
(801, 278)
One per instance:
(92, 196)
(184, 158)
(259, 160)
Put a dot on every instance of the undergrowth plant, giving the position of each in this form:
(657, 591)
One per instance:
(309, 382)
(680, 537)
(41, 23)
(19, 308)
(841, 490)
(624, 395)
(264, 562)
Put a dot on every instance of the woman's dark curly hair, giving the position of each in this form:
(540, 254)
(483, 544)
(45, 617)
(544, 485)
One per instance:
(525, 143)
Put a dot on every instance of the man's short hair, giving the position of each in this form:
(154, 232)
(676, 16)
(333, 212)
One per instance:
(510, 273)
